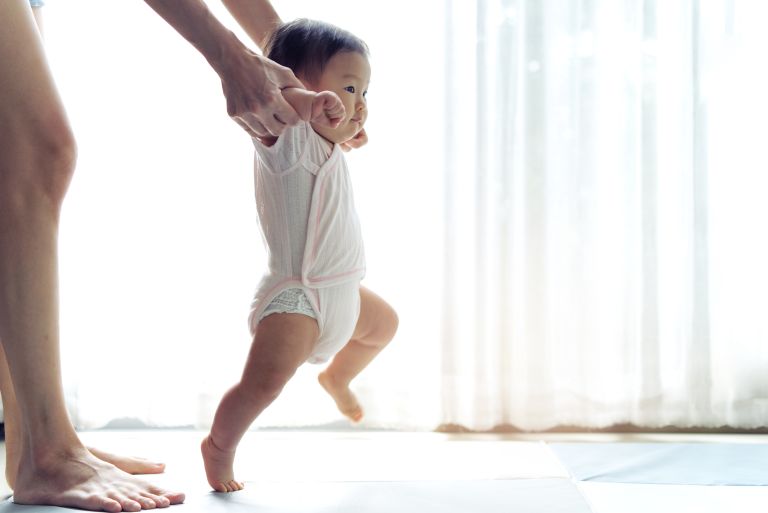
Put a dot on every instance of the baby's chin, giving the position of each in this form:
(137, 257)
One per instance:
(335, 135)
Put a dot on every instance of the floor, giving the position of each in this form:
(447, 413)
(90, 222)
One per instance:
(377, 472)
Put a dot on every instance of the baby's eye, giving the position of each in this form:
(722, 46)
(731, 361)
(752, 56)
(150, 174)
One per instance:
(350, 89)
(365, 94)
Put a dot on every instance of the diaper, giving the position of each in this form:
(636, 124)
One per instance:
(336, 310)
(290, 301)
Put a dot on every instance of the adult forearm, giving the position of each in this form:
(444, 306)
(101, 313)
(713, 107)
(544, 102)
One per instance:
(195, 22)
(251, 83)
(257, 17)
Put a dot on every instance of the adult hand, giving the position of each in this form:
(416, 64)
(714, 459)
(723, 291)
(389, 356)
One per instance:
(251, 82)
(252, 85)
(360, 139)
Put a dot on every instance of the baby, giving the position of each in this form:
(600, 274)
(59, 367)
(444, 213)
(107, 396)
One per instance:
(309, 306)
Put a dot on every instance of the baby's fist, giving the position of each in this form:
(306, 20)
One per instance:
(327, 109)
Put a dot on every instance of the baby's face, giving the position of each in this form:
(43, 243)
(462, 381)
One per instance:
(347, 74)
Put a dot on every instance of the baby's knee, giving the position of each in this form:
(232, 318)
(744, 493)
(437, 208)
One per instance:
(387, 323)
(391, 323)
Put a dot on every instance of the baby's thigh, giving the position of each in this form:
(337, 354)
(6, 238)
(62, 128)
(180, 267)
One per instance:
(282, 342)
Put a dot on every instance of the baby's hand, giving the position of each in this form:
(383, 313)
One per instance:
(360, 139)
(327, 109)
(324, 108)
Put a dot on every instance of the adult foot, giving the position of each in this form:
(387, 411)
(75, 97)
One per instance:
(345, 400)
(78, 479)
(219, 467)
(130, 464)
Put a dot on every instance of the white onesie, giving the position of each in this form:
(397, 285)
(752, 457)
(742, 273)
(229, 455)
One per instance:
(311, 232)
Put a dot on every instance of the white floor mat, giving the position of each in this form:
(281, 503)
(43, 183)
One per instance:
(738, 464)
(486, 496)
(364, 472)
(645, 498)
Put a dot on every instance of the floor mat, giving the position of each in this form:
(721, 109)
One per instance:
(666, 498)
(488, 496)
(667, 463)
(313, 457)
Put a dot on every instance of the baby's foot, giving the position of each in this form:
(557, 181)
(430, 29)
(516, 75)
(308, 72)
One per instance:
(218, 467)
(76, 478)
(345, 400)
(130, 464)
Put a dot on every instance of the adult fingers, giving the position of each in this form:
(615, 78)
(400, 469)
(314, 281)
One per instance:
(285, 77)
(284, 113)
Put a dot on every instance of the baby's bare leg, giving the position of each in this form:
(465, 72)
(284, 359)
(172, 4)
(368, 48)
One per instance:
(376, 326)
(281, 344)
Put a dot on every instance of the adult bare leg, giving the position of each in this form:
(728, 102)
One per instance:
(37, 156)
(375, 327)
(10, 422)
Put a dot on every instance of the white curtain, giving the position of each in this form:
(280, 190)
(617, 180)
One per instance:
(606, 218)
(563, 199)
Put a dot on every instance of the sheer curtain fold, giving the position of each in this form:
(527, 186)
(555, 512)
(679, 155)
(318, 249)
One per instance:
(583, 272)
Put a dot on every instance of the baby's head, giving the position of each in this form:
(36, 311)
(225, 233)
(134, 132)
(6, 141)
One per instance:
(326, 58)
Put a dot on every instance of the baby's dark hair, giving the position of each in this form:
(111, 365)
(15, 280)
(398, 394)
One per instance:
(306, 46)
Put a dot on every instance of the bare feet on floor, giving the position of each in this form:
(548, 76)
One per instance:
(219, 467)
(78, 479)
(343, 396)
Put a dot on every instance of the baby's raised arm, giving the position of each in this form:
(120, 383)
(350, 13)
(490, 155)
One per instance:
(324, 108)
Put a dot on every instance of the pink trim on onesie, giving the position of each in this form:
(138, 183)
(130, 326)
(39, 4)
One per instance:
(335, 276)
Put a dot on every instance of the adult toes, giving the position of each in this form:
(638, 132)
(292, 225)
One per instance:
(159, 500)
